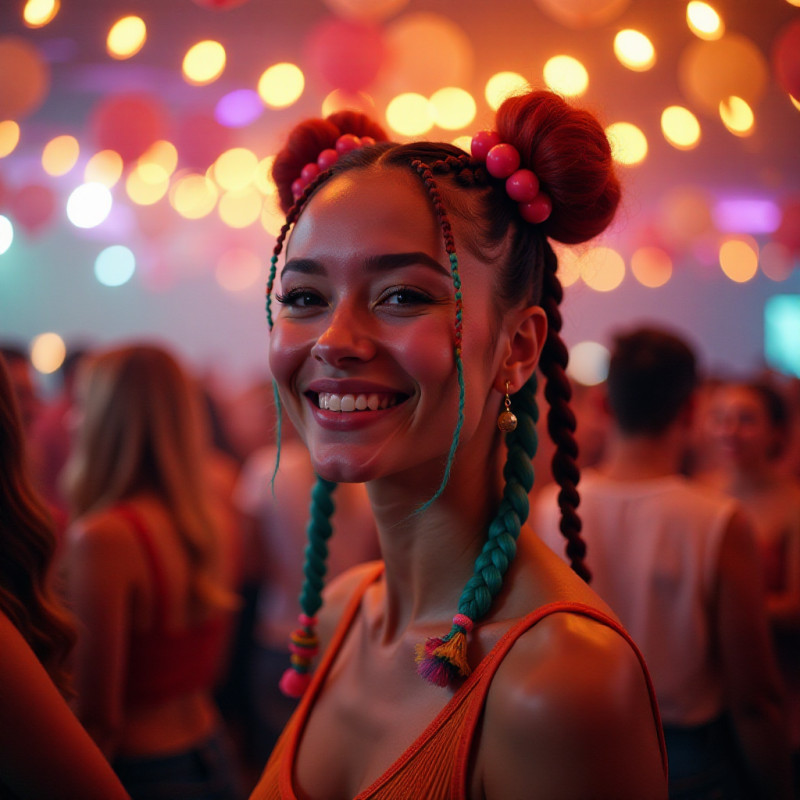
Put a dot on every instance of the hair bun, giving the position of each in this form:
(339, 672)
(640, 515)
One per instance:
(309, 138)
(568, 150)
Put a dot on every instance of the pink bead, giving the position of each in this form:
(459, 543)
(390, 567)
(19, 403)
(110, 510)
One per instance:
(502, 160)
(347, 142)
(327, 158)
(306, 621)
(522, 186)
(309, 172)
(537, 210)
(293, 684)
(365, 140)
(482, 143)
(297, 187)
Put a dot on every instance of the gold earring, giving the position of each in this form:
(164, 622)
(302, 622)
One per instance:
(507, 421)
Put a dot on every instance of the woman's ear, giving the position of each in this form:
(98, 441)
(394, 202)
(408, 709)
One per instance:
(526, 331)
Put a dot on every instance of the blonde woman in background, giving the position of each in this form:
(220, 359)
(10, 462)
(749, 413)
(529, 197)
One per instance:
(152, 562)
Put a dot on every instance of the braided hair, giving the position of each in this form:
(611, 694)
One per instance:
(569, 153)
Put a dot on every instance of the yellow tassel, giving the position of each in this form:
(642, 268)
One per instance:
(454, 651)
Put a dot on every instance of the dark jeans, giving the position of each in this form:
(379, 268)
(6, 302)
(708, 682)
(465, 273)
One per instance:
(204, 772)
(705, 763)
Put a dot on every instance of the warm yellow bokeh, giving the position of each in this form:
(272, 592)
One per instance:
(737, 116)
(281, 85)
(47, 352)
(204, 62)
(452, 108)
(602, 268)
(104, 167)
(704, 21)
(738, 257)
(9, 137)
(409, 114)
(651, 266)
(628, 143)
(566, 75)
(680, 127)
(193, 196)
(38, 13)
(795, 102)
(634, 50)
(502, 85)
(240, 208)
(162, 153)
(147, 183)
(569, 266)
(235, 168)
(262, 178)
(126, 37)
(60, 155)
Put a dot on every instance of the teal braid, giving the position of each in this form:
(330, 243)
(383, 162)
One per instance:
(278, 428)
(316, 553)
(501, 543)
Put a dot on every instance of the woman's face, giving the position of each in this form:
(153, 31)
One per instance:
(739, 427)
(362, 344)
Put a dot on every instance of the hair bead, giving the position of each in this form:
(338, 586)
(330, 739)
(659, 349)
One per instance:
(502, 160)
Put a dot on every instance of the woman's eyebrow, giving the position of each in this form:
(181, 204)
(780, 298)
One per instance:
(376, 263)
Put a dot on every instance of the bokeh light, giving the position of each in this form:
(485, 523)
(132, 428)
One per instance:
(161, 153)
(104, 167)
(240, 208)
(239, 108)
(147, 183)
(737, 116)
(628, 143)
(409, 114)
(738, 257)
(795, 102)
(747, 215)
(651, 266)
(126, 37)
(60, 155)
(262, 177)
(680, 127)
(47, 352)
(569, 265)
(588, 363)
(338, 100)
(602, 268)
(115, 265)
(776, 261)
(704, 21)
(193, 196)
(634, 50)
(9, 137)
(452, 108)
(204, 62)
(6, 234)
(88, 205)
(238, 269)
(235, 168)
(281, 85)
(566, 75)
(502, 85)
(38, 13)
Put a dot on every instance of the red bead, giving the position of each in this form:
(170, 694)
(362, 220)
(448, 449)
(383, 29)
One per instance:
(482, 143)
(297, 187)
(327, 158)
(538, 210)
(522, 186)
(347, 142)
(309, 172)
(502, 160)
(365, 140)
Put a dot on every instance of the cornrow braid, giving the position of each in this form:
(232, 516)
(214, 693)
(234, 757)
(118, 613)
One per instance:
(561, 421)
(444, 660)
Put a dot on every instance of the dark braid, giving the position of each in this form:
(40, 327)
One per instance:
(560, 417)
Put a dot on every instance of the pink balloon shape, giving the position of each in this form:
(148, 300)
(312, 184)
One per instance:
(786, 58)
(345, 54)
(128, 124)
(32, 207)
(200, 139)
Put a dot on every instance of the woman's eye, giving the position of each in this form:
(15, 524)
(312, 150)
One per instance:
(299, 298)
(404, 295)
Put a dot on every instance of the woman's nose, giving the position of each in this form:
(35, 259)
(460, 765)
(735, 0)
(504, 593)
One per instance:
(348, 337)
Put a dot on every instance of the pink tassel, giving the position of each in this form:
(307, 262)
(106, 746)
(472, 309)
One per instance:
(294, 683)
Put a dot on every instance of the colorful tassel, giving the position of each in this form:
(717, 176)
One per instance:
(303, 646)
(442, 661)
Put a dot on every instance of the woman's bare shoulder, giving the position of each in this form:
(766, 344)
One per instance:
(338, 593)
(569, 711)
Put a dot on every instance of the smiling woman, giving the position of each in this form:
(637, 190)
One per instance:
(418, 297)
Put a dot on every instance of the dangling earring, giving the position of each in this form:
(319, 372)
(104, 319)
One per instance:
(507, 421)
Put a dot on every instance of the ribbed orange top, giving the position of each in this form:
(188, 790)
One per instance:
(435, 766)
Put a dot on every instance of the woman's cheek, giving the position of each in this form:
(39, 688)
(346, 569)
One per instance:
(288, 349)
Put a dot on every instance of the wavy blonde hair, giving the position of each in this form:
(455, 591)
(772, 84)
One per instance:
(143, 429)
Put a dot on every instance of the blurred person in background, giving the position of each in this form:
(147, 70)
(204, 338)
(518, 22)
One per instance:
(44, 751)
(152, 561)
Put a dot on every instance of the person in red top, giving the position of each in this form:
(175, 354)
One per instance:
(417, 298)
(152, 564)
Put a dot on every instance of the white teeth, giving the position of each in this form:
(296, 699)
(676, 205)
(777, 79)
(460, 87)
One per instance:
(354, 402)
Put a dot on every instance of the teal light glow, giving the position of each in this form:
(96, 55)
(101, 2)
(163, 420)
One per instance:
(782, 333)
(115, 265)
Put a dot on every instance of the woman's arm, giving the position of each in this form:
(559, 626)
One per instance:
(99, 581)
(44, 751)
(784, 608)
(569, 713)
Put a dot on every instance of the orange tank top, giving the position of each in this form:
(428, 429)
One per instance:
(435, 766)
